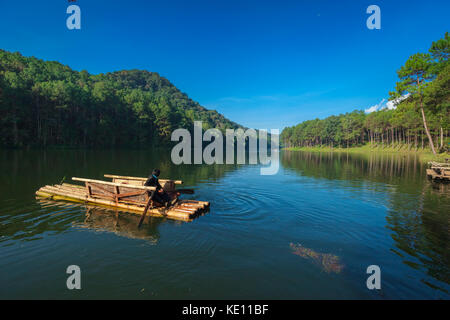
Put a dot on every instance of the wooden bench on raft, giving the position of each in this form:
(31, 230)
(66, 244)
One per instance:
(117, 192)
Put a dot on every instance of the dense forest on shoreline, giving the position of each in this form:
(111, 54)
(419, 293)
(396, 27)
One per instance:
(420, 119)
(45, 103)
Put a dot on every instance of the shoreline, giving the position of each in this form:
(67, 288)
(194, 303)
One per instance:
(424, 155)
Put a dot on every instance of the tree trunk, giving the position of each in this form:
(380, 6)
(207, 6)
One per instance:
(426, 127)
(392, 131)
(421, 136)
(15, 132)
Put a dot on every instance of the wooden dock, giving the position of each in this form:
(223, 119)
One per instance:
(439, 171)
(124, 195)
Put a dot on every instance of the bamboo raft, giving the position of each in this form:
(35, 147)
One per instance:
(125, 193)
(439, 171)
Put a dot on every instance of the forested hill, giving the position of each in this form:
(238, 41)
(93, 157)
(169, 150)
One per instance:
(44, 103)
(421, 117)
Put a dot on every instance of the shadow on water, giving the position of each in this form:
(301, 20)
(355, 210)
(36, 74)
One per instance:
(418, 210)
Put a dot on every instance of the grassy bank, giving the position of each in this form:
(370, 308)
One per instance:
(424, 155)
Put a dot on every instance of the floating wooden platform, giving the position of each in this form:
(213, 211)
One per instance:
(439, 171)
(125, 193)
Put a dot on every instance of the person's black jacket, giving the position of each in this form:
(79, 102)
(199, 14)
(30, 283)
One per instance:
(152, 182)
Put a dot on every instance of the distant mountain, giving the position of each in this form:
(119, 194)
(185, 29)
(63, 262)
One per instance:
(45, 103)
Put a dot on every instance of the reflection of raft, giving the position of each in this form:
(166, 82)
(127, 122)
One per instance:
(126, 193)
(124, 225)
(439, 171)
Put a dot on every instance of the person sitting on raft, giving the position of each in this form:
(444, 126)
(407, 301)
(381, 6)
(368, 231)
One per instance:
(160, 195)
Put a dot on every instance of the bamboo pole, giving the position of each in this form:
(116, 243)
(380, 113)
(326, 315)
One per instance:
(112, 176)
(196, 201)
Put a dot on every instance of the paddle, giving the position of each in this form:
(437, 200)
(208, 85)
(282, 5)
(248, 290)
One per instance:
(146, 209)
(185, 191)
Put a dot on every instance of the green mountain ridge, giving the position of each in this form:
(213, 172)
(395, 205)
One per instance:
(45, 103)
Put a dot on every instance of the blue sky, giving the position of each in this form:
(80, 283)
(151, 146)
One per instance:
(264, 64)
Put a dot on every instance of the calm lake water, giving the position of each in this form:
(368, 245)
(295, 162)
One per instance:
(310, 231)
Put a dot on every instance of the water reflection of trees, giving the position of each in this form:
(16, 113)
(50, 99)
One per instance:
(32, 222)
(346, 166)
(421, 229)
(418, 210)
